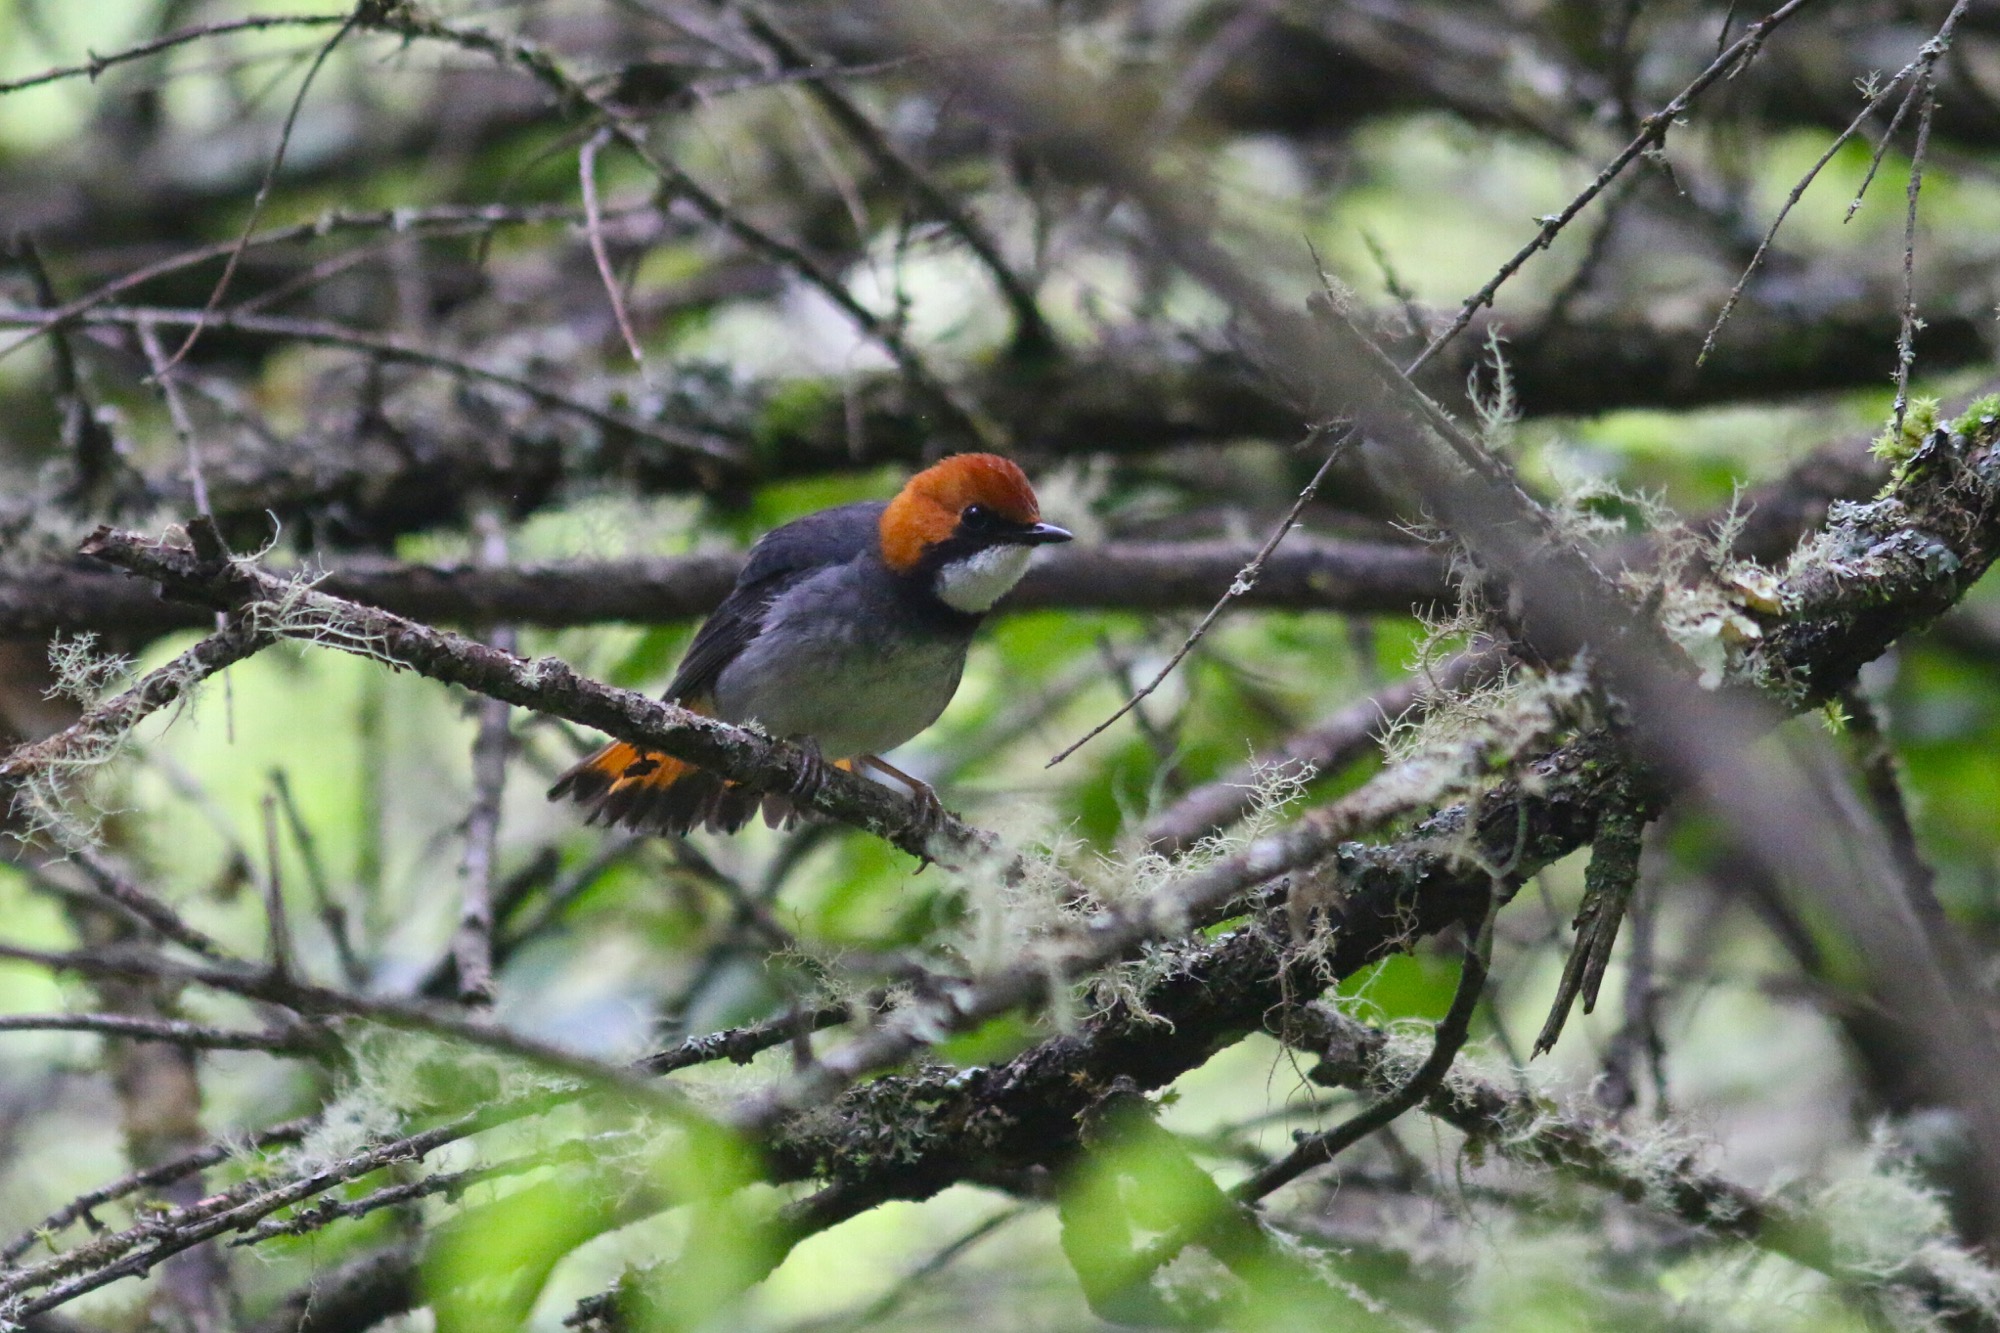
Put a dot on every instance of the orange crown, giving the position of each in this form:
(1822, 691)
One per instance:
(926, 510)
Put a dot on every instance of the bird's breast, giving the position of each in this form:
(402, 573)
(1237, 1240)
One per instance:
(840, 659)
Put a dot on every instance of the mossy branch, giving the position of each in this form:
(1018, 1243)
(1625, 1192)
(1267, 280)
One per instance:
(1525, 1128)
(1203, 995)
(546, 685)
(46, 769)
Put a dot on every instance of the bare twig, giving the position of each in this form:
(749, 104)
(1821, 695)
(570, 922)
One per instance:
(1652, 133)
(593, 227)
(89, 440)
(472, 943)
(114, 884)
(1031, 331)
(263, 194)
(439, 220)
(1906, 335)
(1246, 579)
(279, 956)
(97, 65)
(1921, 67)
(174, 1032)
(306, 998)
(177, 412)
(331, 913)
(397, 349)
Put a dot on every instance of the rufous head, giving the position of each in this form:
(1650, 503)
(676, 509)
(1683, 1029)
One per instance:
(980, 498)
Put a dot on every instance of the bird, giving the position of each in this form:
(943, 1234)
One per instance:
(846, 632)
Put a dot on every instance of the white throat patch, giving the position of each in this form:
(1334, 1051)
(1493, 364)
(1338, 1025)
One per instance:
(973, 584)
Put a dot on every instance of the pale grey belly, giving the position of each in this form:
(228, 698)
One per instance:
(852, 694)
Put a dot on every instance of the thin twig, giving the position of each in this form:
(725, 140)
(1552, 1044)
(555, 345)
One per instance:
(263, 194)
(174, 1032)
(1652, 132)
(1921, 66)
(593, 229)
(1906, 334)
(1031, 330)
(96, 65)
(396, 349)
(183, 424)
(885, 1305)
(1881, 152)
(306, 998)
(472, 943)
(177, 412)
(114, 884)
(89, 440)
(1883, 782)
(331, 913)
(1246, 579)
(278, 956)
(443, 219)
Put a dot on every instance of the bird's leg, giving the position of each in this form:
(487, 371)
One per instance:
(930, 810)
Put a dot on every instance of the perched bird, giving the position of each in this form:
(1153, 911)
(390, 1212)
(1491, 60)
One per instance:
(846, 631)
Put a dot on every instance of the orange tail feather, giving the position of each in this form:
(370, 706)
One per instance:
(650, 792)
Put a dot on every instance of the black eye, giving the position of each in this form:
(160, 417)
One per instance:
(977, 516)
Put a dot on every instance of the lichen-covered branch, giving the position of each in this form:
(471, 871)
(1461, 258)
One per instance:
(1204, 996)
(295, 610)
(1530, 1130)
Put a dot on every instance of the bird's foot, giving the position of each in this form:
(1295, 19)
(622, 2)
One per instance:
(928, 814)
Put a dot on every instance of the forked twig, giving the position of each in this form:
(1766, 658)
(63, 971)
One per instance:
(1652, 132)
(96, 65)
(263, 194)
(1921, 66)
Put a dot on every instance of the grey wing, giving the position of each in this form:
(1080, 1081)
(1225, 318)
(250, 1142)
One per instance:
(780, 559)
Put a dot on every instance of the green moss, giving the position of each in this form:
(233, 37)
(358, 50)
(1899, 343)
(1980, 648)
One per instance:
(1895, 446)
(1979, 412)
